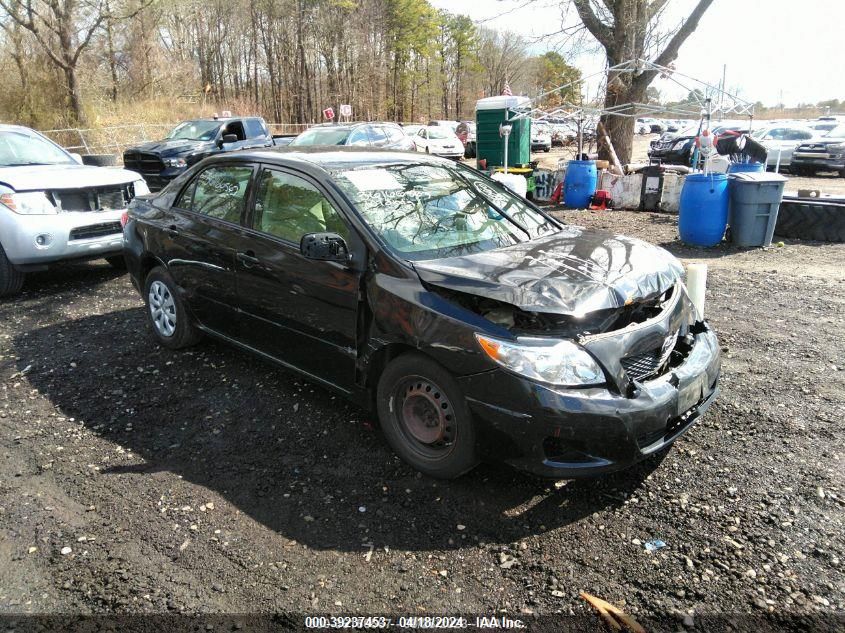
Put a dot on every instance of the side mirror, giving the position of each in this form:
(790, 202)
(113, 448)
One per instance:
(228, 138)
(76, 157)
(327, 247)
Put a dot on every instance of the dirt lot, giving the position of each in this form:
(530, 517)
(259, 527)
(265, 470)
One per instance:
(134, 479)
(830, 184)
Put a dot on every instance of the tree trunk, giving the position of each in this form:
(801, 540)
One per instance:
(72, 85)
(620, 129)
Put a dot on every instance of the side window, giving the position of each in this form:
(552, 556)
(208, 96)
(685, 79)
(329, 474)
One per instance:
(777, 134)
(236, 128)
(288, 207)
(378, 135)
(422, 133)
(359, 136)
(184, 199)
(220, 192)
(254, 128)
(394, 134)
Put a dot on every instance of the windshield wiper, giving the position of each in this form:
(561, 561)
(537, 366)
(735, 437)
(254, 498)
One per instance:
(501, 212)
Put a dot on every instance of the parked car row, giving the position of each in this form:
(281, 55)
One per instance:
(801, 147)
(409, 283)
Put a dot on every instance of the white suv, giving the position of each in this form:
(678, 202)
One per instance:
(53, 208)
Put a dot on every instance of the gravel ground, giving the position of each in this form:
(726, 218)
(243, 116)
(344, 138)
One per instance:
(138, 480)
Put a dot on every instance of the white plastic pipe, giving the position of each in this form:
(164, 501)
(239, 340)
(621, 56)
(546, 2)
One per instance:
(696, 285)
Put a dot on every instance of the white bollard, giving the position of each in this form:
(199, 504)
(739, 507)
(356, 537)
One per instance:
(696, 285)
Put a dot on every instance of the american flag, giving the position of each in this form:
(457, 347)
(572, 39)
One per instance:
(507, 90)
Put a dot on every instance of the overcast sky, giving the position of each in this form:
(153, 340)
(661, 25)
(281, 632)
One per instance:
(790, 50)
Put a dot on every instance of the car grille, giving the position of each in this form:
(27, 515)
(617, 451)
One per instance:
(95, 230)
(94, 198)
(148, 165)
(650, 363)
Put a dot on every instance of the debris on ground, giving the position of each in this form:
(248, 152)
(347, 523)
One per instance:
(614, 616)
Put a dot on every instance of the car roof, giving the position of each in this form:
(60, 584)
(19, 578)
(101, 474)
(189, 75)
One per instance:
(331, 159)
(11, 127)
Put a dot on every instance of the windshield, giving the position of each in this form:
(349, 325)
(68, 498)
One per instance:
(434, 211)
(22, 148)
(322, 136)
(195, 131)
(440, 132)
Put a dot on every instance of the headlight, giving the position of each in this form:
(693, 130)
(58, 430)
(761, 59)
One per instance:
(838, 148)
(556, 362)
(28, 203)
(175, 162)
(679, 145)
(141, 188)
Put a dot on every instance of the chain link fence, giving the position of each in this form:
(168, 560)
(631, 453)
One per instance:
(115, 139)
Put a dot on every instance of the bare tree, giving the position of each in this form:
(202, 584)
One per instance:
(632, 29)
(63, 28)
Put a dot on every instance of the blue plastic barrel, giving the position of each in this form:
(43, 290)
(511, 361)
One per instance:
(579, 185)
(703, 210)
(745, 168)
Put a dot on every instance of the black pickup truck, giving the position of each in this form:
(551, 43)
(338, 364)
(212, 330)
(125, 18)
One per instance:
(159, 162)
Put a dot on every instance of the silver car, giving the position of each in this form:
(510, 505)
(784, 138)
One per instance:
(53, 208)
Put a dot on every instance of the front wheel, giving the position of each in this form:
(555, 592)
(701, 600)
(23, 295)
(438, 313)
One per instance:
(117, 262)
(166, 312)
(425, 418)
(11, 279)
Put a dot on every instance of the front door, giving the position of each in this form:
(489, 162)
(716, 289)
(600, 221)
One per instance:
(301, 311)
(200, 232)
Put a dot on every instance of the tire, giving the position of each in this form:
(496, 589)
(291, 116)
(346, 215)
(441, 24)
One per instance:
(11, 279)
(425, 418)
(811, 220)
(117, 262)
(167, 315)
(99, 160)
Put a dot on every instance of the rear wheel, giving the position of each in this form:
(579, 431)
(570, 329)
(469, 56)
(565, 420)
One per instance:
(167, 314)
(11, 279)
(425, 418)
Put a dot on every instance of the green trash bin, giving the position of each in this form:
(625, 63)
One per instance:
(755, 199)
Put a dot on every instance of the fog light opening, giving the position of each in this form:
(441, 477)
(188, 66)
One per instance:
(44, 240)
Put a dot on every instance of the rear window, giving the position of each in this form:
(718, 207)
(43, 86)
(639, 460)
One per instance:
(322, 136)
(255, 128)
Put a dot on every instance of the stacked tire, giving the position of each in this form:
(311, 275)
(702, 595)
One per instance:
(817, 220)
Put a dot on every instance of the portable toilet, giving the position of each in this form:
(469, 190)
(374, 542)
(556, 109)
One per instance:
(490, 114)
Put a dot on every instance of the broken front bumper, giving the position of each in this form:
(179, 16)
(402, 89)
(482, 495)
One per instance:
(570, 432)
(41, 239)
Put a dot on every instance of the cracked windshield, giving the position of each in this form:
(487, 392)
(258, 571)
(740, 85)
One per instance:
(432, 211)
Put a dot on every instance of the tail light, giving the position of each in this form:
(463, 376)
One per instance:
(124, 218)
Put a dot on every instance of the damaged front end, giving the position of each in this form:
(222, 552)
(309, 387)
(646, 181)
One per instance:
(639, 341)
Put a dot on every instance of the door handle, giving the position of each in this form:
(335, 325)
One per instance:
(248, 259)
(171, 231)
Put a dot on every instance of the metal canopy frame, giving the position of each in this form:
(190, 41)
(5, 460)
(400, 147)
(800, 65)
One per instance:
(714, 101)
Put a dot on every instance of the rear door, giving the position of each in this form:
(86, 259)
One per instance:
(201, 229)
(301, 311)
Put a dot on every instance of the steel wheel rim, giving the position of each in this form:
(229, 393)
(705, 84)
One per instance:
(426, 417)
(162, 309)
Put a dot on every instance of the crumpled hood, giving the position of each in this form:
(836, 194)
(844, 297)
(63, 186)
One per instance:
(169, 148)
(573, 272)
(70, 176)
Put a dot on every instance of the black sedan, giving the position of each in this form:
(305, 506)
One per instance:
(475, 324)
